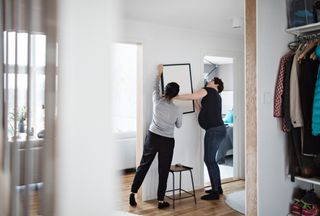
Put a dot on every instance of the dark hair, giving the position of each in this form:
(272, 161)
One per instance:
(171, 90)
(220, 84)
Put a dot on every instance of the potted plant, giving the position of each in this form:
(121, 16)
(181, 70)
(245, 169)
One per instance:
(21, 117)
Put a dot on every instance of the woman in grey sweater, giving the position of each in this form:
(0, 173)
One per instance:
(159, 139)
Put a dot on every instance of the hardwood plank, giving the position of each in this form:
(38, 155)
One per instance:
(185, 207)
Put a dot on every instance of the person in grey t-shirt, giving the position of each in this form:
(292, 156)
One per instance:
(159, 139)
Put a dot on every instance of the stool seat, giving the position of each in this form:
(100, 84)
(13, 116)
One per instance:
(180, 168)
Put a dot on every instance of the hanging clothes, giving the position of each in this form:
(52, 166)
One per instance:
(294, 152)
(279, 88)
(316, 101)
(295, 103)
(286, 121)
(309, 70)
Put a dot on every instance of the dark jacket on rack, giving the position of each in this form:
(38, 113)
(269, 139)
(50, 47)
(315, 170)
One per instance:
(307, 81)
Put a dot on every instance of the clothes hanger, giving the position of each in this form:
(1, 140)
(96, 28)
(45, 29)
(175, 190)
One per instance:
(313, 56)
(309, 47)
(293, 45)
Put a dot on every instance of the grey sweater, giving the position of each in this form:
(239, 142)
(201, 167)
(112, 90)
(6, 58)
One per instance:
(165, 114)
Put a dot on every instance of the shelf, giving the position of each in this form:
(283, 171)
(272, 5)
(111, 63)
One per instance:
(315, 181)
(304, 29)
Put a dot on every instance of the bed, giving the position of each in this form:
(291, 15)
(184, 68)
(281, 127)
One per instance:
(226, 146)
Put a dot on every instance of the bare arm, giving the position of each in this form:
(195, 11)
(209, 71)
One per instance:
(194, 96)
(156, 89)
(197, 105)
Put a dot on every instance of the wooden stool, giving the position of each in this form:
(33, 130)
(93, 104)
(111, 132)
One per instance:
(180, 168)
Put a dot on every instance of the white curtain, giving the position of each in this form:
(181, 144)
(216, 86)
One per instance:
(27, 95)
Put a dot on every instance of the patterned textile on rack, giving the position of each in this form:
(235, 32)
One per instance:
(279, 94)
(316, 101)
(279, 88)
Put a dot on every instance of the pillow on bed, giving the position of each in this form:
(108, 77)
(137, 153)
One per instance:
(229, 117)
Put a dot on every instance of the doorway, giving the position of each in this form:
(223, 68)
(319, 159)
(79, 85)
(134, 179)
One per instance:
(125, 102)
(230, 153)
(222, 67)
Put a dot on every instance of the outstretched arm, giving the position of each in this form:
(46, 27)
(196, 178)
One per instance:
(156, 88)
(194, 96)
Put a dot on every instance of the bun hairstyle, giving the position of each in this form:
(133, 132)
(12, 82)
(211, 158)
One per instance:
(171, 90)
(219, 82)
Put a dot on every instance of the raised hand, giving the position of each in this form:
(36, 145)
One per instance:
(160, 69)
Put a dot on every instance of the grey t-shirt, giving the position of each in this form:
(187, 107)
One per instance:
(166, 114)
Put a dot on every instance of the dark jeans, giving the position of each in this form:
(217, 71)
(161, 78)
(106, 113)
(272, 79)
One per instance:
(212, 139)
(164, 147)
(225, 145)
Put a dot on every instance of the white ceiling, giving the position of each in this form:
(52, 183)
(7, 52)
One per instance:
(203, 15)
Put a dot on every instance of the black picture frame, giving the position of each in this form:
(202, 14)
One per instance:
(181, 74)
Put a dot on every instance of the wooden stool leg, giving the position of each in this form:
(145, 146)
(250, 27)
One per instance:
(180, 186)
(194, 193)
(173, 189)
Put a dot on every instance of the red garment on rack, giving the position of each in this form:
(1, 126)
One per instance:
(278, 92)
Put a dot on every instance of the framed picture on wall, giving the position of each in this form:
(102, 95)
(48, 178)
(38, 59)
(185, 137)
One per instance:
(181, 74)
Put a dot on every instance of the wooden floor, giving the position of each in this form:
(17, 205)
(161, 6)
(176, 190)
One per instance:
(185, 207)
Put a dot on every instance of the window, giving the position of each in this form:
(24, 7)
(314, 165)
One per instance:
(124, 85)
(18, 81)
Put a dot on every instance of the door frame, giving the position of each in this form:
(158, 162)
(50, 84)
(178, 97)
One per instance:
(250, 112)
(250, 108)
(239, 109)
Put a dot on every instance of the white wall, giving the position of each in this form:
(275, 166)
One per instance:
(85, 171)
(165, 45)
(226, 72)
(274, 188)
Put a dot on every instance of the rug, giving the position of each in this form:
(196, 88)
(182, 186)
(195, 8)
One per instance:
(236, 201)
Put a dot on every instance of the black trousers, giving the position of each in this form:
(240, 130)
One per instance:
(294, 150)
(164, 147)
